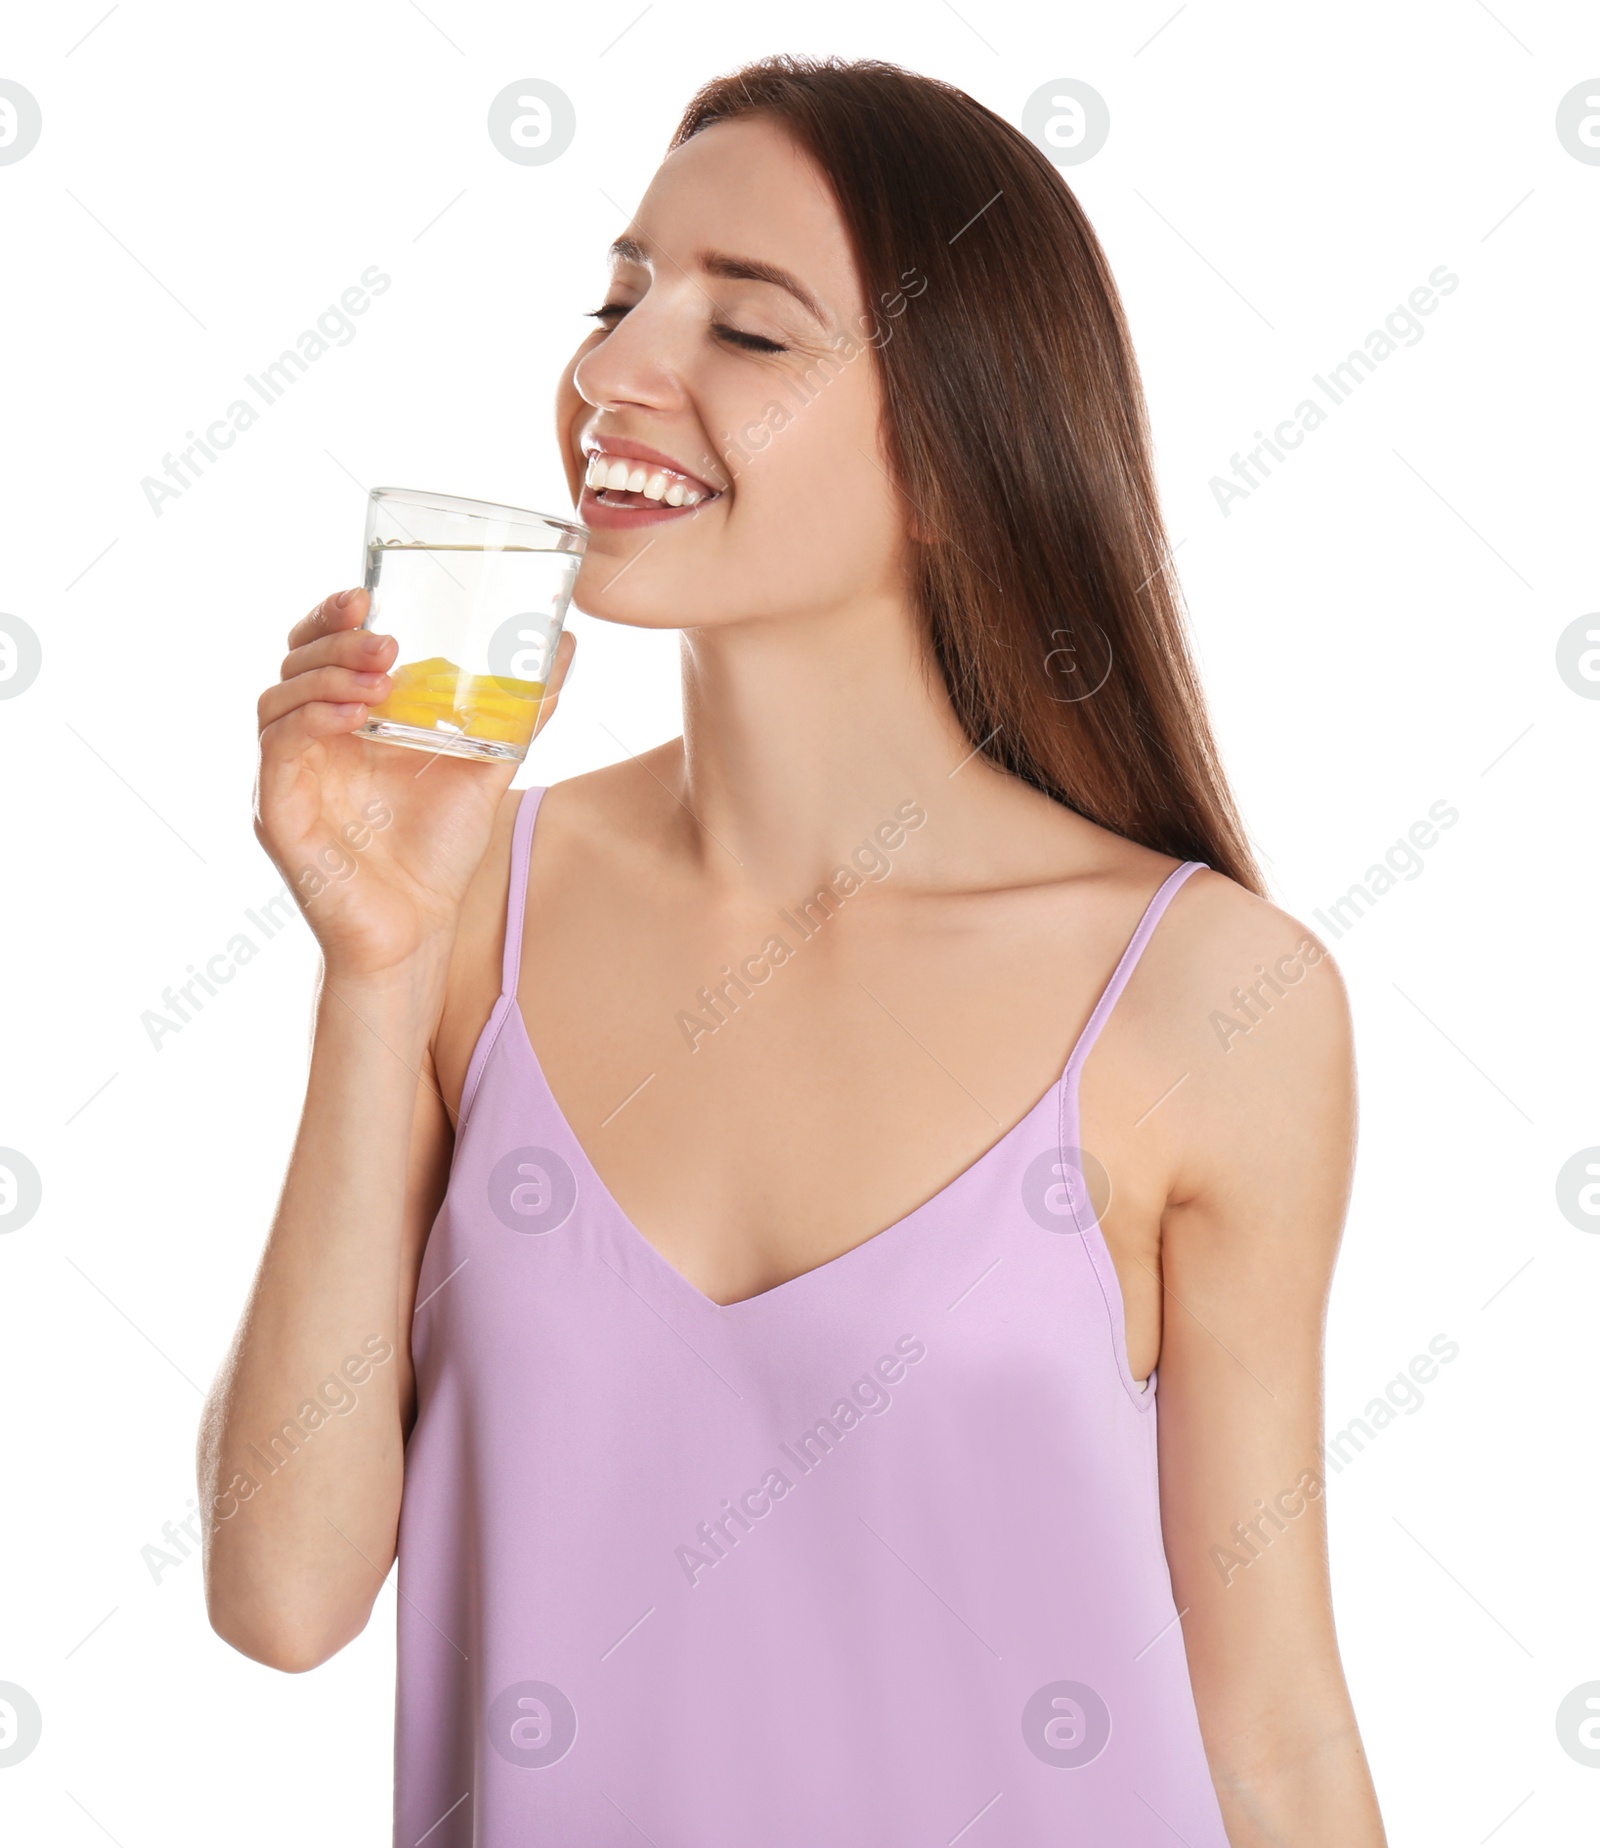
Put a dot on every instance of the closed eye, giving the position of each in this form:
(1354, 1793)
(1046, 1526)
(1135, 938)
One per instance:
(751, 343)
(611, 312)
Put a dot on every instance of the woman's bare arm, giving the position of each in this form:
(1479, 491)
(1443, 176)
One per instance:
(1248, 1249)
(303, 1438)
(302, 1441)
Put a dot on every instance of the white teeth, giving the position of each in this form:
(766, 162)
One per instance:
(657, 484)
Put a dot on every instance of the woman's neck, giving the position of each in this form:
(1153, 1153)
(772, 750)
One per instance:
(802, 737)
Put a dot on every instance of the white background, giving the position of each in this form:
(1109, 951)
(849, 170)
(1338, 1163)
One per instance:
(1377, 625)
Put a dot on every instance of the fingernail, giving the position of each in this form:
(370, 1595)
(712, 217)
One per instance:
(370, 643)
(369, 680)
(342, 601)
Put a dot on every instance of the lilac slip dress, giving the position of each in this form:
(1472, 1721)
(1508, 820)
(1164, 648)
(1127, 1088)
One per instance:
(870, 1560)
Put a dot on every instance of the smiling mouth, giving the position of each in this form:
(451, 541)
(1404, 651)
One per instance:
(623, 482)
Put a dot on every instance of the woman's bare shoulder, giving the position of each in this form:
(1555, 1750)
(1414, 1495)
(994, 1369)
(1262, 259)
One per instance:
(611, 804)
(609, 811)
(1226, 951)
(1241, 1006)
(618, 809)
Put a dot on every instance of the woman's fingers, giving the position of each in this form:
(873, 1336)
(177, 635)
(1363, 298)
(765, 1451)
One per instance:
(359, 649)
(332, 677)
(284, 743)
(336, 671)
(344, 609)
(289, 736)
(330, 685)
(565, 649)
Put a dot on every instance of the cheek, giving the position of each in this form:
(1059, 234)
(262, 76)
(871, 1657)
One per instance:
(820, 490)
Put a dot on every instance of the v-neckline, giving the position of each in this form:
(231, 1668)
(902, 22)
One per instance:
(1067, 1079)
(1050, 1097)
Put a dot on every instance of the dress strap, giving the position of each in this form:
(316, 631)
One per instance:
(1143, 932)
(517, 895)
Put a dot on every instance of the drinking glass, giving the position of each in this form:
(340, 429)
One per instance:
(475, 594)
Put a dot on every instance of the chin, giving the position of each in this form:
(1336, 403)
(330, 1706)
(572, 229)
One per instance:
(644, 605)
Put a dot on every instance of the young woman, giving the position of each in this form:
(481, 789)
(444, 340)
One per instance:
(750, 1206)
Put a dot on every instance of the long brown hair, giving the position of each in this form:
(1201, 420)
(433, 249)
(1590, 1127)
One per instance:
(1015, 423)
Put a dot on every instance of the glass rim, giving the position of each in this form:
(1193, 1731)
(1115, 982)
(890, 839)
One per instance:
(464, 508)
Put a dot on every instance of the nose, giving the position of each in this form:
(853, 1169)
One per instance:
(632, 366)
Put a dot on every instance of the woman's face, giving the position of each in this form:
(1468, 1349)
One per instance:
(732, 377)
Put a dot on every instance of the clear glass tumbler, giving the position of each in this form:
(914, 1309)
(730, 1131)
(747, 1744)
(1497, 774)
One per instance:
(475, 594)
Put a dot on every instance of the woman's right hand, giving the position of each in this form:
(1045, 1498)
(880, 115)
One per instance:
(377, 843)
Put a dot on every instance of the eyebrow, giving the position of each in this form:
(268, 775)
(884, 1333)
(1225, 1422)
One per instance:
(733, 269)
